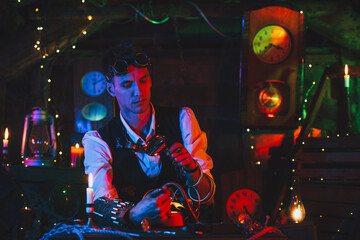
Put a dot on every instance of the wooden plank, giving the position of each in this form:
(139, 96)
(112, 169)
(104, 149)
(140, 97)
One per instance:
(328, 157)
(309, 175)
(330, 226)
(48, 174)
(330, 209)
(330, 193)
(332, 142)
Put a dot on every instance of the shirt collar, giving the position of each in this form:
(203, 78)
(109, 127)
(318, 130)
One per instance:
(133, 135)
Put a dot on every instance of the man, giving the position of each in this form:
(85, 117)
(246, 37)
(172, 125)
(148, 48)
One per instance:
(115, 153)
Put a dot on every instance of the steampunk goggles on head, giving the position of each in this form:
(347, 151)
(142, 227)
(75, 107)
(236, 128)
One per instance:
(120, 67)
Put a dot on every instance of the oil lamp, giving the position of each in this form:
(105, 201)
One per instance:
(38, 146)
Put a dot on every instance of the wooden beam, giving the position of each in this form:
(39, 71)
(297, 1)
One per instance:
(17, 62)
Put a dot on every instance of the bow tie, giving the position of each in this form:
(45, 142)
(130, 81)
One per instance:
(136, 147)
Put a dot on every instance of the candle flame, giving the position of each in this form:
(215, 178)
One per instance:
(6, 133)
(91, 180)
(346, 69)
(77, 145)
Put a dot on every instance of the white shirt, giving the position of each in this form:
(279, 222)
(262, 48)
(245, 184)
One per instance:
(98, 157)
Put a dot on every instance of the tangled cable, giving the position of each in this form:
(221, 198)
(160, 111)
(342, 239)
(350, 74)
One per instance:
(80, 230)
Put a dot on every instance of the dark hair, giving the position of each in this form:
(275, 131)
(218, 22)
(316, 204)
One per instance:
(126, 51)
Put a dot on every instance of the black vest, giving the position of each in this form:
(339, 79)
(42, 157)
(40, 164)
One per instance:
(129, 179)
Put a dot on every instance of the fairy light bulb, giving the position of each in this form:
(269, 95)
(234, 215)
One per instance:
(296, 207)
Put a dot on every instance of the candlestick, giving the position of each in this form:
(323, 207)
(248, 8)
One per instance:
(347, 77)
(5, 144)
(90, 200)
(5, 140)
(90, 190)
(348, 123)
(77, 155)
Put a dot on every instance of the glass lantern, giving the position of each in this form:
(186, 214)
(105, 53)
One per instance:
(38, 146)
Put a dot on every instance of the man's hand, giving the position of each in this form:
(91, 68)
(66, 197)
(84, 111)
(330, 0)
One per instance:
(155, 206)
(182, 157)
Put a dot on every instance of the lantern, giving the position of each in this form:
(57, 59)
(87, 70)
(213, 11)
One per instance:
(38, 146)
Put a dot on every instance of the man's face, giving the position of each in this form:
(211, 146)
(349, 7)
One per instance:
(132, 90)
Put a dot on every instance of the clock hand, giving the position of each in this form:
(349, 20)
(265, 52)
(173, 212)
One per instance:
(100, 80)
(266, 49)
(94, 86)
(277, 46)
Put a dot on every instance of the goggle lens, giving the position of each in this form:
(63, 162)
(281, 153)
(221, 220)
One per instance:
(120, 67)
(141, 59)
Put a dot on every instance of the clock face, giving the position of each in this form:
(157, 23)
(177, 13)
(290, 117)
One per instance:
(93, 83)
(272, 44)
(241, 203)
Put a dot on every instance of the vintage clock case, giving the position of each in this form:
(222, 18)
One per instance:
(270, 71)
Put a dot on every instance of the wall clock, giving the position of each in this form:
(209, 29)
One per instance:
(271, 63)
(93, 83)
(272, 44)
(93, 107)
(241, 203)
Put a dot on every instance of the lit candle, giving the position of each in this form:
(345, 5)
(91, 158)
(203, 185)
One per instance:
(90, 190)
(77, 154)
(347, 77)
(5, 140)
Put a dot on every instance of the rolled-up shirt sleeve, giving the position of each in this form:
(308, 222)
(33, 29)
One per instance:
(195, 140)
(98, 160)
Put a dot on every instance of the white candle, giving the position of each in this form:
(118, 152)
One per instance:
(5, 140)
(90, 190)
(347, 77)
